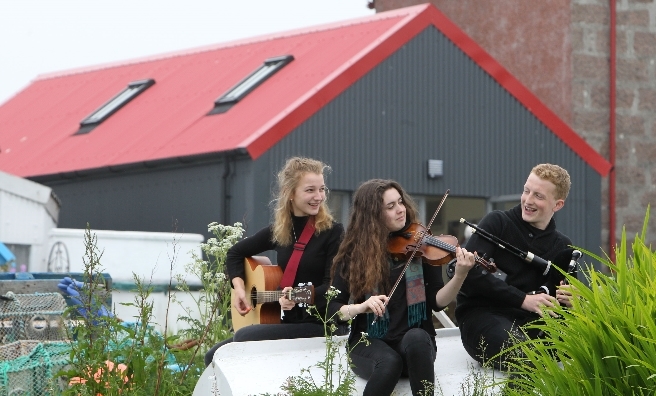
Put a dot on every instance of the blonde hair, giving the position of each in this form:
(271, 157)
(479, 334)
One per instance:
(288, 178)
(556, 175)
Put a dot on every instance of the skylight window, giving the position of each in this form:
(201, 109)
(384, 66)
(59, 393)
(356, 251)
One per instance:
(113, 105)
(245, 86)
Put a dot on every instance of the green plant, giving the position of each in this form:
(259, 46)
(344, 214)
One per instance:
(430, 389)
(479, 382)
(606, 343)
(92, 332)
(336, 380)
(208, 320)
(111, 357)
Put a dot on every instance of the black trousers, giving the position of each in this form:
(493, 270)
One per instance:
(273, 332)
(382, 364)
(486, 332)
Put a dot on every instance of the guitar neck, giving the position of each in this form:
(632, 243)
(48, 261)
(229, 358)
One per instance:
(261, 297)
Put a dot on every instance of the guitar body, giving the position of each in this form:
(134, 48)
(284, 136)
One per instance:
(261, 283)
(261, 276)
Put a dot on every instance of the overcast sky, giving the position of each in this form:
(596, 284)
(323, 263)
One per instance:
(44, 36)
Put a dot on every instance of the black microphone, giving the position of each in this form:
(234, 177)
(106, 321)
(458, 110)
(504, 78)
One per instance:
(573, 263)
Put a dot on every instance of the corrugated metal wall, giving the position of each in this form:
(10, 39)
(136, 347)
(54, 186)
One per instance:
(430, 101)
(164, 200)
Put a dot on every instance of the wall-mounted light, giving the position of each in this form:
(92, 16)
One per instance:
(435, 168)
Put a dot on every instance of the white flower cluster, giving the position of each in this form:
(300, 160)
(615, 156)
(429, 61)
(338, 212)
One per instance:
(214, 299)
(226, 236)
(214, 277)
(332, 292)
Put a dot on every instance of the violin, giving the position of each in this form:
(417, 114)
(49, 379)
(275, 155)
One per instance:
(436, 250)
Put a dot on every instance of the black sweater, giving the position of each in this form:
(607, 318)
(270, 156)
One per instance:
(397, 306)
(483, 290)
(314, 266)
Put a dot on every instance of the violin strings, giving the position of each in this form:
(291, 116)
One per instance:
(450, 248)
(441, 244)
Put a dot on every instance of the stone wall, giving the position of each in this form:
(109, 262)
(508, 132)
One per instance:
(635, 98)
(636, 115)
(590, 83)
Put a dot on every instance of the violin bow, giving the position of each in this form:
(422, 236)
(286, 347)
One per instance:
(415, 250)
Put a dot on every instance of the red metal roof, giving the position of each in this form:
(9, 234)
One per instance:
(169, 120)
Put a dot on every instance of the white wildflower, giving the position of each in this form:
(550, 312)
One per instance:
(332, 292)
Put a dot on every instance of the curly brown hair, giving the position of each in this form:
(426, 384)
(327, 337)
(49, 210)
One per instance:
(362, 255)
(288, 178)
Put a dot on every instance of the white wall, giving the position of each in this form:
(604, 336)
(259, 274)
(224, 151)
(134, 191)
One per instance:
(27, 213)
(28, 216)
(147, 254)
(160, 301)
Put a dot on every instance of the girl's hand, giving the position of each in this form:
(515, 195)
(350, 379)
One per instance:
(285, 303)
(240, 302)
(375, 304)
(464, 262)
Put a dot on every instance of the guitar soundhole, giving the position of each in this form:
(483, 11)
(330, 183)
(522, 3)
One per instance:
(254, 297)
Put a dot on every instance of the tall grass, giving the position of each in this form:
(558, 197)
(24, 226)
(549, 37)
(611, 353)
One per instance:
(606, 343)
(110, 357)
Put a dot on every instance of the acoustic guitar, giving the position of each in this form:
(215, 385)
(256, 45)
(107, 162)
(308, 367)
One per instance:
(262, 281)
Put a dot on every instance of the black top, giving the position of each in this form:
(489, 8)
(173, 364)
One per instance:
(314, 265)
(397, 306)
(483, 290)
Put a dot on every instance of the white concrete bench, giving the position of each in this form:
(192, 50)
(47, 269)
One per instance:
(260, 367)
